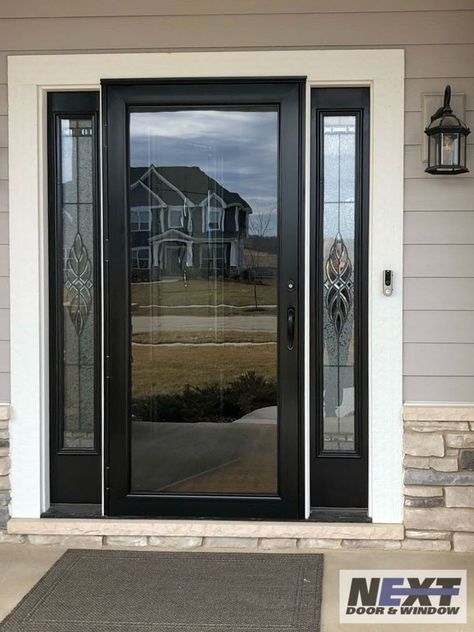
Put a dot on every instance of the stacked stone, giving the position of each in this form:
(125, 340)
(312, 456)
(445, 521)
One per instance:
(439, 478)
(4, 466)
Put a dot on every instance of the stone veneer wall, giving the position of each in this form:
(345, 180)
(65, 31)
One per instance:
(4, 466)
(439, 478)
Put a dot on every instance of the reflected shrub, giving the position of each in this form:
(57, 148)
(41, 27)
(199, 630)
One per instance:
(211, 403)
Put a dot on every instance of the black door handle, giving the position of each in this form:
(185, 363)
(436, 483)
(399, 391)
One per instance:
(290, 324)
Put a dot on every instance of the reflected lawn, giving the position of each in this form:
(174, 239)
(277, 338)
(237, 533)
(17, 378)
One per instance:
(163, 370)
(204, 292)
(202, 337)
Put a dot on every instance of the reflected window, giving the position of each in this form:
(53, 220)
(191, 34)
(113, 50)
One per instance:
(214, 214)
(175, 217)
(140, 219)
(141, 258)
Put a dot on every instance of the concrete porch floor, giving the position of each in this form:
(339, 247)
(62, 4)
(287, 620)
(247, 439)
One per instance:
(22, 565)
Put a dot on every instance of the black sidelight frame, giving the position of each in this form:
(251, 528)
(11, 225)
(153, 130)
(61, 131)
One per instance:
(118, 97)
(75, 474)
(340, 479)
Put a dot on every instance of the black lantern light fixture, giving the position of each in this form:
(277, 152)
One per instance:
(446, 140)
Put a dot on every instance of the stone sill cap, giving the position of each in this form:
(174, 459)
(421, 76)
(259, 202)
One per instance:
(438, 411)
(204, 528)
(4, 412)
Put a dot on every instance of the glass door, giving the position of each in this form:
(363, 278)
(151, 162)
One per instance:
(202, 186)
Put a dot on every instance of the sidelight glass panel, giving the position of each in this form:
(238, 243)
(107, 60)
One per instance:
(339, 226)
(203, 292)
(77, 221)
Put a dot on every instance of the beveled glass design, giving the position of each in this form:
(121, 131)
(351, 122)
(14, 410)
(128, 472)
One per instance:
(78, 283)
(77, 220)
(339, 230)
(203, 300)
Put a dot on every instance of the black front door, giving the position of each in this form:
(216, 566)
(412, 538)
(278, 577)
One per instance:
(203, 276)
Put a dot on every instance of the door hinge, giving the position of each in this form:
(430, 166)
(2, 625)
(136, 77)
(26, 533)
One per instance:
(105, 135)
(107, 477)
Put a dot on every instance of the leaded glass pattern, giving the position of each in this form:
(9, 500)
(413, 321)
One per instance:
(339, 153)
(77, 220)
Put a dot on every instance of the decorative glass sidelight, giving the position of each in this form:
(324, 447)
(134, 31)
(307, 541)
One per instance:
(339, 229)
(77, 222)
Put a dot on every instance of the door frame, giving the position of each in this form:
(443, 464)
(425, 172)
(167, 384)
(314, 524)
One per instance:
(70, 466)
(326, 464)
(30, 77)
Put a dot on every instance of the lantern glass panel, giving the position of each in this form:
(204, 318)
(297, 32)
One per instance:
(449, 149)
(434, 150)
(462, 151)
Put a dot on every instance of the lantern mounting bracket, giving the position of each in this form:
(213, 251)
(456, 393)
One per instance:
(446, 107)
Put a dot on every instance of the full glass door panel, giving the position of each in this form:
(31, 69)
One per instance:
(203, 231)
(203, 196)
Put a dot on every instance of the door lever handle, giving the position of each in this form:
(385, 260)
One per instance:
(290, 324)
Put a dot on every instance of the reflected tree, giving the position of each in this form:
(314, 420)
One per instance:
(259, 231)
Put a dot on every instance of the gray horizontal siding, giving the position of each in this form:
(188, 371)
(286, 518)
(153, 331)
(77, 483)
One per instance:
(417, 86)
(3, 228)
(4, 356)
(4, 324)
(438, 37)
(440, 359)
(438, 389)
(439, 247)
(456, 327)
(59, 8)
(439, 227)
(439, 260)
(439, 194)
(290, 29)
(434, 294)
(4, 260)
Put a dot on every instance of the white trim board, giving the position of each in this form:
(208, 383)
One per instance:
(30, 77)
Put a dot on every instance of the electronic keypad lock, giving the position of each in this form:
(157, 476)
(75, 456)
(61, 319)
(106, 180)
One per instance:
(387, 282)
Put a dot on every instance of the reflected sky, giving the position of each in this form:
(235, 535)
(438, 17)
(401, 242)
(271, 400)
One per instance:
(238, 148)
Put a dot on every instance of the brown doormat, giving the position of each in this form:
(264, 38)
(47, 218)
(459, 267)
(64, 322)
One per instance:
(148, 591)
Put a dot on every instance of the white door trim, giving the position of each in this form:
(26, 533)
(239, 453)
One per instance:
(29, 79)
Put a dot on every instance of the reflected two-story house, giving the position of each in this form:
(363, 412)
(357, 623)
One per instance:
(182, 219)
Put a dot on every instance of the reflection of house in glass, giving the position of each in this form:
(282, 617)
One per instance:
(181, 218)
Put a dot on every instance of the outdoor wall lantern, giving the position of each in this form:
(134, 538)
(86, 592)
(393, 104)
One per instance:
(446, 140)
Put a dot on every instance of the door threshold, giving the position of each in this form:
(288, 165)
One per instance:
(73, 510)
(330, 514)
(317, 514)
